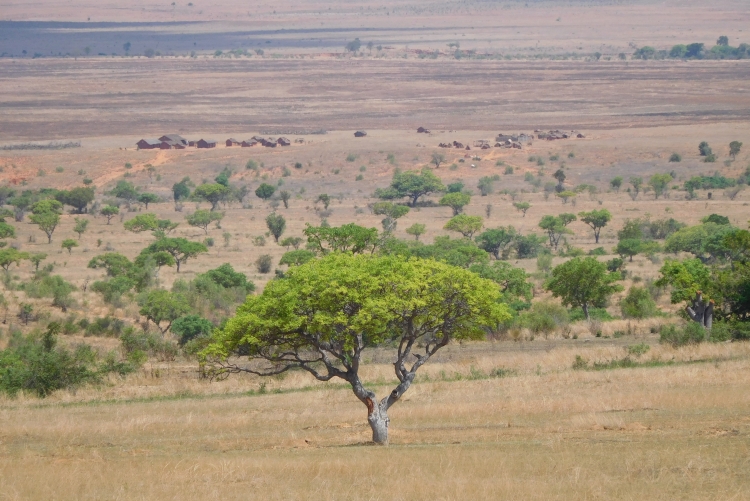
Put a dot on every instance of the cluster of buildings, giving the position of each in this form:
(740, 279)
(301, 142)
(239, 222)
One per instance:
(553, 135)
(517, 141)
(177, 142)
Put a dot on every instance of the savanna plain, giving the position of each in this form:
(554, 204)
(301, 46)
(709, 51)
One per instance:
(628, 404)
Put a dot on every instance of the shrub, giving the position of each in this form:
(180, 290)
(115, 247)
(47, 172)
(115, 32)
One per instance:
(638, 304)
(543, 318)
(692, 333)
(263, 263)
(598, 314)
(135, 343)
(191, 327)
(675, 157)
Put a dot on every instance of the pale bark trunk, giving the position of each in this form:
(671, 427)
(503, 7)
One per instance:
(379, 421)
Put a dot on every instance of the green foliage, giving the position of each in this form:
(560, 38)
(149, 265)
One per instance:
(191, 327)
(78, 198)
(456, 201)
(556, 227)
(411, 184)
(291, 242)
(464, 224)
(485, 184)
(265, 191)
(498, 241)
(392, 213)
(675, 157)
(629, 247)
(202, 218)
(691, 333)
(459, 252)
(596, 219)
(46, 215)
(638, 304)
(522, 207)
(685, 277)
(616, 183)
(276, 225)
(378, 299)
(704, 149)
(163, 307)
(181, 190)
(713, 182)
(514, 285)
(80, 226)
(214, 193)
(296, 257)
(599, 314)
(716, 219)
(543, 318)
(179, 248)
(734, 148)
(456, 187)
(69, 243)
(109, 211)
(659, 183)
(125, 190)
(10, 256)
(528, 246)
(148, 198)
(346, 238)
(583, 282)
(263, 263)
(417, 229)
(705, 241)
(214, 294)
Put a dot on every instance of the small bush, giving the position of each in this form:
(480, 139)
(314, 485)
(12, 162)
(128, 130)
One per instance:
(598, 314)
(351, 157)
(263, 263)
(599, 251)
(638, 304)
(508, 170)
(692, 333)
(675, 157)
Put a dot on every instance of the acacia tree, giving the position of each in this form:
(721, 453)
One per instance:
(302, 322)
(160, 306)
(46, 215)
(109, 211)
(597, 219)
(522, 207)
(392, 213)
(659, 183)
(734, 149)
(456, 201)
(411, 184)
(202, 218)
(80, 226)
(417, 229)
(345, 238)
(212, 193)
(464, 224)
(180, 249)
(556, 227)
(583, 282)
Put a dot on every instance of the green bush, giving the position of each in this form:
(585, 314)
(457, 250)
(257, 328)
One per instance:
(691, 333)
(730, 330)
(601, 314)
(35, 363)
(599, 251)
(191, 327)
(543, 318)
(135, 344)
(638, 304)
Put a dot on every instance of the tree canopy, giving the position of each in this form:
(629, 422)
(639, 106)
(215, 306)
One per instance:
(346, 238)
(596, 219)
(412, 185)
(323, 314)
(212, 193)
(583, 282)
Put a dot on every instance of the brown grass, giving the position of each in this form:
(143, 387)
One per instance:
(546, 433)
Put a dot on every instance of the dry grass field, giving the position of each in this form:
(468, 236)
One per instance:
(499, 419)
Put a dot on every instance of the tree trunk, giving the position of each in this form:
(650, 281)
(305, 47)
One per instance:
(377, 416)
(585, 308)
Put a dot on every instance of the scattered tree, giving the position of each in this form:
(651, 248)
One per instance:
(148, 198)
(11, 256)
(392, 213)
(276, 225)
(285, 196)
(324, 199)
(704, 149)
(659, 183)
(734, 149)
(616, 183)
(465, 225)
(202, 218)
(297, 257)
(179, 248)
(78, 198)
(522, 207)
(596, 219)
(163, 307)
(265, 191)
(126, 191)
(556, 227)
(291, 242)
(498, 241)
(485, 185)
(456, 201)
(109, 211)
(69, 243)
(417, 229)
(46, 215)
(411, 184)
(629, 247)
(80, 226)
(213, 193)
(583, 282)
(437, 159)
(560, 176)
(416, 303)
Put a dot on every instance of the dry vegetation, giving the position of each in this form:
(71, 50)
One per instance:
(507, 418)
